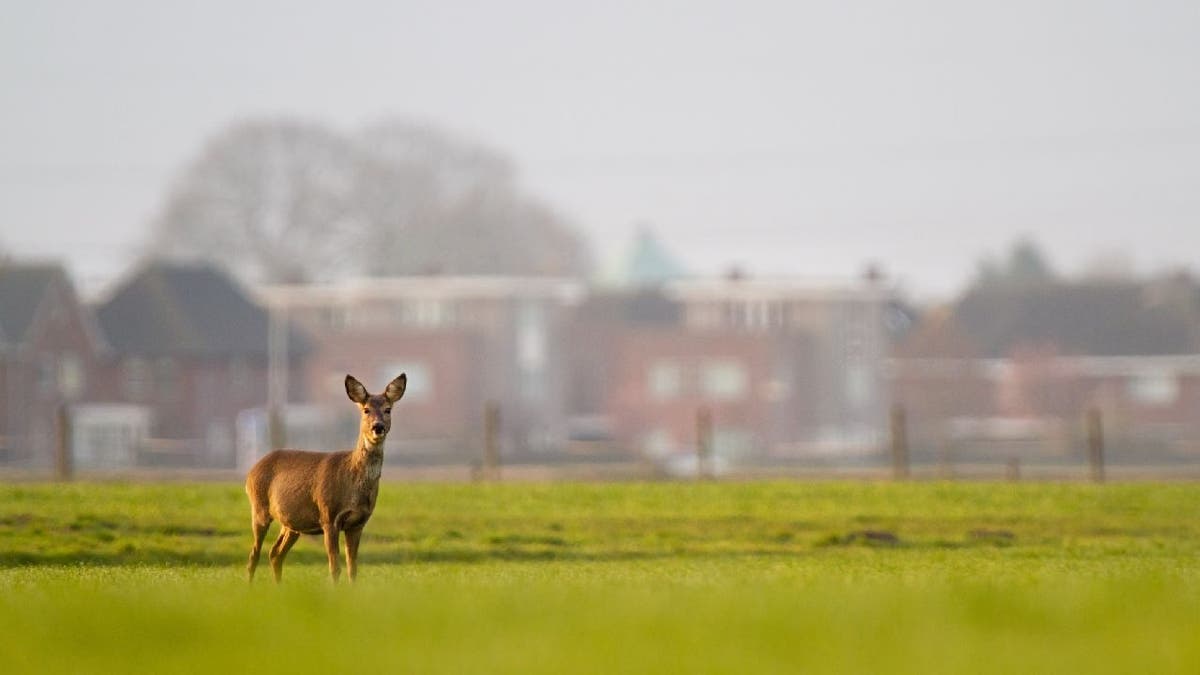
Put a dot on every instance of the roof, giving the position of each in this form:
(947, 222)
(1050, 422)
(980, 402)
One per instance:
(765, 289)
(629, 308)
(1116, 318)
(22, 288)
(189, 310)
(430, 287)
(649, 262)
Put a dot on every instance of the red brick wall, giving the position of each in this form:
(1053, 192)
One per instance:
(443, 406)
(636, 411)
(29, 376)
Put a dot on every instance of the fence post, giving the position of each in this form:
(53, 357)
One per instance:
(276, 431)
(1013, 472)
(491, 441)
(704, 468)
(1095, 444)
(899, 443)
(64, 468)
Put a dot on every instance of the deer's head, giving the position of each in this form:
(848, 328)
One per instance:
(376, 409)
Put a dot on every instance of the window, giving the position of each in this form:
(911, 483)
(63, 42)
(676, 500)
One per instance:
(419, 384)
(731, 442)
(531, 339)
(664, 380)
(1154, 389)
(724, 380)
(426, 313)
(858, 385)
(45, 374)
(658, 443)
(136, 379)
(70, 375)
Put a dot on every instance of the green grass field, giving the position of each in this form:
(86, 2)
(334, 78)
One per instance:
(656, 577)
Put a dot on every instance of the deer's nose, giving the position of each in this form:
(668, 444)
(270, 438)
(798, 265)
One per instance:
(378, 428)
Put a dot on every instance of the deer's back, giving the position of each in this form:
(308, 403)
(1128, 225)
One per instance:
(291, 485)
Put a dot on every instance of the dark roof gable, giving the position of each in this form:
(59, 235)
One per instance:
(22, 289)
(190, 310)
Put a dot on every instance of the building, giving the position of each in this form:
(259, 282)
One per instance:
(188, 344)
(50, 352)
(464, 342)
(1015, 368)
(787, 368)
(186, 369)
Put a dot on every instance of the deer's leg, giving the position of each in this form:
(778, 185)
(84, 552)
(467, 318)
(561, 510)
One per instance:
(260, 532)
(331, 550)
(352, 537)
(283, 544)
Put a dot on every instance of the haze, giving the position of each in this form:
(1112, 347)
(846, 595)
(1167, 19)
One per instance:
(789, 138)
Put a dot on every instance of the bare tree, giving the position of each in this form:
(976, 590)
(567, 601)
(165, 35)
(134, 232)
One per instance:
(481, 222)
(458, 165)
(499, 232)
(285, 201)
(271, 200)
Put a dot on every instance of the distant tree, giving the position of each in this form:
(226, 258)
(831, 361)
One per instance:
(284, 201)
(459, 166)
(1025, 265)
(988, 272)
(269, 200)
(469, 216)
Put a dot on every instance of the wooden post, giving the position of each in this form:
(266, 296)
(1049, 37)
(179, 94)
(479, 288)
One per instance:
(276, 431)
(899, 443)
(704, 468)
(1013, 472)
(1095, 444)
(64, 468)
(491, 441)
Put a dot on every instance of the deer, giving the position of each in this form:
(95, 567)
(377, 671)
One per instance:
(323, 492)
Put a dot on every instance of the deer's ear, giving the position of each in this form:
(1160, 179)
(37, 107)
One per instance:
(395, 388)
(355, 390)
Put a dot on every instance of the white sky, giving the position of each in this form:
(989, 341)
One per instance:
(801, 138)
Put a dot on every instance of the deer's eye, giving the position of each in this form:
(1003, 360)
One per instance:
(366, 411)
(387, 411)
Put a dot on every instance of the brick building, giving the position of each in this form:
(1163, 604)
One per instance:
(463, 341)
(188, 344)
(49, 354)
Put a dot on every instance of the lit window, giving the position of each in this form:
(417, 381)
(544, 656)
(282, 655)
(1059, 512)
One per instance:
(1154, 389)
(730, 442)
(858, 384)
(724, 380)
(70, 375)
(425, 313)
(664, 380)
(531, 339)
(658, 443)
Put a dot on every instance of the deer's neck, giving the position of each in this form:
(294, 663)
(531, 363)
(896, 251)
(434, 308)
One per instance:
(367, 458)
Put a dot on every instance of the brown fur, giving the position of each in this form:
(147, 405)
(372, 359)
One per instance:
(323, 493)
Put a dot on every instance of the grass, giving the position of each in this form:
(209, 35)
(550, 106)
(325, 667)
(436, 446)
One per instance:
(658, 577)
